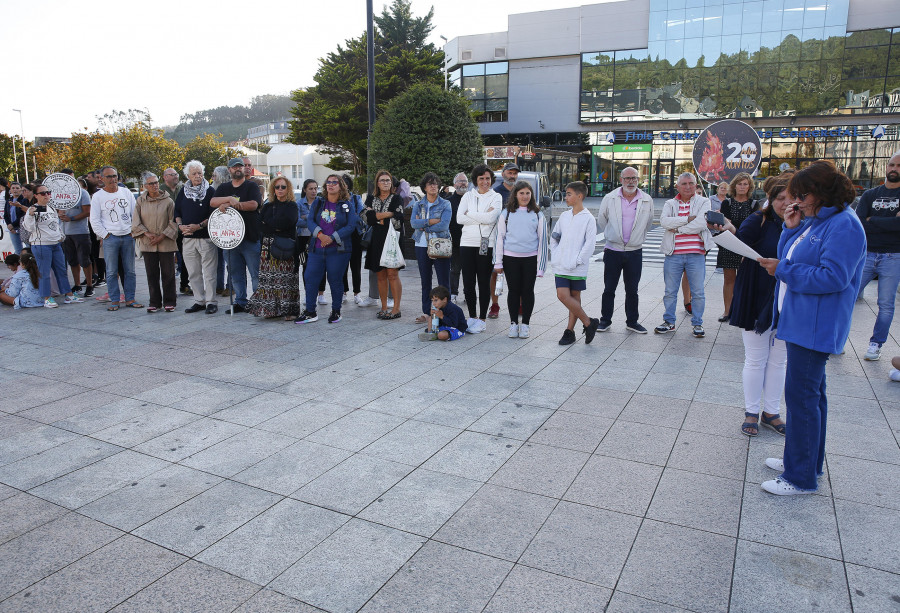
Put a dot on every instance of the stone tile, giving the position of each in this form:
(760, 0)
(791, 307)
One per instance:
(346, 569)
(421, 502)
(192, 586)
(573, 431)
(11, 425)
(473, 456)
(189, 439)
(680, 566)
(353, 484)
(622, 602)
(681, 365)
(293, 467)
(872, 591)
(143, 500)
(711, 455)
(68, 407)
(41, 393)
(239, 452)
(116, 410)
(492, 385)
(303, 420)
(95, 481)
(31, 441)
(805, 582)
(264, 547)
(726, 392)
(600, 403)
(445, 379)
(612, 378)
(584, 543)
(529, 589)
(655, 410)
(7, 492)
(255, 410)
(614, 484)
(99, 581)
(355, 430)
(511, 420)
(530, 367)
(638, 442)
(698, 501)
(24, 512)
(441, 578)
(863, 441)
(671, 386)
(497, 521)
(135, 431)
(406, 401)
(541, 469)
(268, 601)
(566, 370)
(548, 394)
(852, 479)
(48, 548)
(412, 442)
(222, 395)
(54, 462)
(206, 518)
(856, 387)
(868, 535)
(456, 410)
(720, 420)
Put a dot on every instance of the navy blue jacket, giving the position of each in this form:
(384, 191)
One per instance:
(345, 223)
(754, 288)
(454, 317)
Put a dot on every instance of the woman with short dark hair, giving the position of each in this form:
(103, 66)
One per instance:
(821, 254)
(430, 219)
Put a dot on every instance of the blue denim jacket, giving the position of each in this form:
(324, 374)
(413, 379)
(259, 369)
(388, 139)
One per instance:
(440, 209)
(302, 217)
(345, 223)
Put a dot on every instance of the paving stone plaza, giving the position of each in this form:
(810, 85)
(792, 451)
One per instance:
(174, 462)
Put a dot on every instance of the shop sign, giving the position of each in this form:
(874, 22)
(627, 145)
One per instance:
(504, 152)
(726, 148)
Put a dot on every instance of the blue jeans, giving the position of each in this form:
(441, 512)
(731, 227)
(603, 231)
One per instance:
(50, 258)
(322, 262)
(807, 414)
(441, 265)
(694, 264)
(242, 258)
(16, 241)
(115, 247)
(887, 267)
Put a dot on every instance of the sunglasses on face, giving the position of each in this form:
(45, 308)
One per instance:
(332, 182)
(42, 193)
(281, 187)
(152, 183)
(110, 176)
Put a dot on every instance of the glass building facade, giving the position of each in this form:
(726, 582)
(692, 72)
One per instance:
(487, 88)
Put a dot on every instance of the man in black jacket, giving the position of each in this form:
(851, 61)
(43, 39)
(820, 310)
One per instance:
(460, 187)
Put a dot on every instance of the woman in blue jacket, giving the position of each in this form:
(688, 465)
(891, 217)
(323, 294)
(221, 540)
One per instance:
(331, 222)
(430, 219)
(819, 267)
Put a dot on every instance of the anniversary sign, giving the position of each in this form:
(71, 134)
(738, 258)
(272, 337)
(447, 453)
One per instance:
(726, 148)
(226, 229)
(65, 192)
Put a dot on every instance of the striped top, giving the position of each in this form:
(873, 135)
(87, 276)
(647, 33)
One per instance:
(687, 243)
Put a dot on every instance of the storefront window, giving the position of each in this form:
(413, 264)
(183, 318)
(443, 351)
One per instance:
(487, 87)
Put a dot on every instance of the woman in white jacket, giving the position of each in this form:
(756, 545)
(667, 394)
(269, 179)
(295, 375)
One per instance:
(477, 214)
(43, 224)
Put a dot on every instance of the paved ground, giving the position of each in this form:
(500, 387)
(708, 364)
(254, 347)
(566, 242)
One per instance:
(175, 462)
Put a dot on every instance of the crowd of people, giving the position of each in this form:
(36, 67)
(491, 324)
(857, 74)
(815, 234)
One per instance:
(793, 304)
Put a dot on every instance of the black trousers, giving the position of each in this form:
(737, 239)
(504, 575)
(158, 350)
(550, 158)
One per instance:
(455, 269)
(625, 264)
(520, 274)
(160, 267)
(477, 269)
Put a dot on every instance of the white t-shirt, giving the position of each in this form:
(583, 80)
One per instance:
(112, 213)
(782, 286)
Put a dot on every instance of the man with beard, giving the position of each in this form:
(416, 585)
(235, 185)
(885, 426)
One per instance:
(243, 196)
(879, 212)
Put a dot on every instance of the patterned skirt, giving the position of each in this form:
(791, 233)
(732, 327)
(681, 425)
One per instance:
(278, 292)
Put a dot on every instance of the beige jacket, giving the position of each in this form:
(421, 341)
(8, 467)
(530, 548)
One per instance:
(673, 224)
(157, 216)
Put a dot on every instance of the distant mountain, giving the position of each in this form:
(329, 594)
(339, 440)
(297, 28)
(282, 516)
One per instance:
(232, 121)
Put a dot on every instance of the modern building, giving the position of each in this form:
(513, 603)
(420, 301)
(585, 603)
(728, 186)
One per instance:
(298, 163)
(634, 82)
(270, 133)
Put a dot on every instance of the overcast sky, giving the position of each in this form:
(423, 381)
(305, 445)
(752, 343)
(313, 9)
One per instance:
(73, 61)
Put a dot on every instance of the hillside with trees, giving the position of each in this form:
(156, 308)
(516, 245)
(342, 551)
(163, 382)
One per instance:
(232, 122)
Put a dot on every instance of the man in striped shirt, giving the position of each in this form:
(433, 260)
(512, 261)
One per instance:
(685, 244)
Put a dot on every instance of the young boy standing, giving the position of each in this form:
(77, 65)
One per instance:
(572, 245)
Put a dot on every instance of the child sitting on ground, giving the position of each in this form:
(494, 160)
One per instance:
(572, 244)
(451, 320)
(22, 291)
(12, 262)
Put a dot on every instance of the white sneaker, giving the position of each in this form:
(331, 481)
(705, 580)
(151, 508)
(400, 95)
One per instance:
(321, 299)
(775, 464)
(780, 487)
(73, 299)
(874, 352)
(50, 303)
(513, 331)
(895, 374)
(523, 330)
(475, 326)
(345, 298)
(390, 303)
(453, 298)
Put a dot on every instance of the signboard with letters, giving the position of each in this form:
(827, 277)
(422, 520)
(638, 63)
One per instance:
(226, 230)
(725, 149)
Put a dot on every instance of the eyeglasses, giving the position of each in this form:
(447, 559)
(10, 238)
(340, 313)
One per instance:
(332, 182)
(281, 187)
(110, 176)
(385, 181)
(42, 193)
(629, 178)
(152, 183)
(802, 197)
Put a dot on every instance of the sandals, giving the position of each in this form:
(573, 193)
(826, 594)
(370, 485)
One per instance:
(748, 427)
(767, 422)
(152, 309)
(114, 307)
(421, 319)
(134, 305)
(392, 315)
(381, 314)
(169, 309)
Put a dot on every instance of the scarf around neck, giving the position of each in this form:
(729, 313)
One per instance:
(196, 192)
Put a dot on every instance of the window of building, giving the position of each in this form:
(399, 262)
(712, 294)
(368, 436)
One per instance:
(487, 88)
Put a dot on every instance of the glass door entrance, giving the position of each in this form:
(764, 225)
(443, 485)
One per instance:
(663, 179)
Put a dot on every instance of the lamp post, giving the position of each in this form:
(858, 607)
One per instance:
(370, 78)
(16, 158)
(24, 154)
(444, 38)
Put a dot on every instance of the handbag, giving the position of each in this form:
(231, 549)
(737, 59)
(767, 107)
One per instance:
(439, 248)
(365, 238)
(391, 256)
(282, 248)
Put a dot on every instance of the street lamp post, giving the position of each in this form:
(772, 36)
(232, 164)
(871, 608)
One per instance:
(444, 38)
(24, 154)
(16, 158)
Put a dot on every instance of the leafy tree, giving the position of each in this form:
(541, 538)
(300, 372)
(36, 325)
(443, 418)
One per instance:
(139, 149)
(426, 129)
(8, 161)
(208, 149)
(334, 112)
(52, 157)
(90, 150)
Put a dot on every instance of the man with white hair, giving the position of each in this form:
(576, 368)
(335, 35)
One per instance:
(625, 216)
(460, 187)
(685, 244)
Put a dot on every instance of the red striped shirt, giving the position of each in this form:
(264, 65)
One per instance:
(687, 243)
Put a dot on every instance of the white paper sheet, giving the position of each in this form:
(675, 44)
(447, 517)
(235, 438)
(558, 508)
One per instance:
(732, 243)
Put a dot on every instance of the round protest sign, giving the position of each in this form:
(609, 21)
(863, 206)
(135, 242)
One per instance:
(726, 148)
(65, 192)
(226, 229)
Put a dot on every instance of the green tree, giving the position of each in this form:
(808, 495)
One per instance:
(426, 129)
(91, 150)
(8, 161)
(139, 148)
(52, 157)
(208, 149)
(334, 112)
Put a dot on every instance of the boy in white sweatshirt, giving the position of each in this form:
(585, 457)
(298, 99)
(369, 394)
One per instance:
(572, 245)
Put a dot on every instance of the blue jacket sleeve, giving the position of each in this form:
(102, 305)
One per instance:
(344, 232)
(415, 220)
(839, 256)
(311, 221)
(454, 318)
(446, 214)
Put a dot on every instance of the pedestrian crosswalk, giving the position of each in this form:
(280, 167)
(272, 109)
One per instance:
(652, 254)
